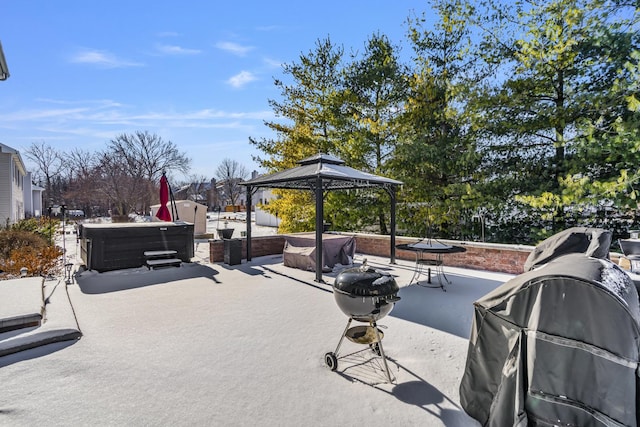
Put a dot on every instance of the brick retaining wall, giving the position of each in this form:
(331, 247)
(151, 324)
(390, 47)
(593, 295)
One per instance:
(260, 246)
(480, 256)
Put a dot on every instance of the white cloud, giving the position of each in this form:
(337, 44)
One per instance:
(99, 114)
(100, 103)
(269, 28)
(167, 34)
(234, 48)
(176, 50)
(89, 123)
(241, 79)
(102, 58)
(272, 63)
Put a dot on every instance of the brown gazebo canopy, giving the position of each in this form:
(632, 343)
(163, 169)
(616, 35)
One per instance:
(321, 173)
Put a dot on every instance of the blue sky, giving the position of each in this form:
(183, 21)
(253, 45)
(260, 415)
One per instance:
(197, 73)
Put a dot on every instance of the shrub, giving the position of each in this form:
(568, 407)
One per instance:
(20, 248)
(38, 262)
(31, 224)
(42, 226)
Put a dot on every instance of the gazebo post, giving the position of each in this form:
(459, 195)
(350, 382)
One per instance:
(248, 223)
(319, 227)
(392, 250)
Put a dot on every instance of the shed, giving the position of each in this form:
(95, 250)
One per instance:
(188, 211)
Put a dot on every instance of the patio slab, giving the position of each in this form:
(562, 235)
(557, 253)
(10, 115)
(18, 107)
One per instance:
(212, 344)
(35, 312)
(22, 303)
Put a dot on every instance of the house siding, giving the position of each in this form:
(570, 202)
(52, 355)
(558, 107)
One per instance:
(17, 193)
(32, 195)
(6, 185)
(12, 173)
(27, 192)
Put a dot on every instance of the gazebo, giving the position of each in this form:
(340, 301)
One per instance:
(321, 173)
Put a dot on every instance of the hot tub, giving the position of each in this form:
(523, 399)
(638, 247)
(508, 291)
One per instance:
(117, 246)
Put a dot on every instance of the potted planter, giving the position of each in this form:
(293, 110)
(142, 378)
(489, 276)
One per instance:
(225, 233)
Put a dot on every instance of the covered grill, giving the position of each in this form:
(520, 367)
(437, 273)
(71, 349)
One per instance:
(559, 344)
(365, 295)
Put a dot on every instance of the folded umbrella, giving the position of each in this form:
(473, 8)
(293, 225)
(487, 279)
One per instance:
(163, 213)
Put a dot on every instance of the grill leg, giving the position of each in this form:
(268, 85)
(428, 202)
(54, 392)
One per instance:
(384, 358)
(342, 337)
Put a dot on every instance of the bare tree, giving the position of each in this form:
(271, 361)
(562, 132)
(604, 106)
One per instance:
(231, 173)
(49, 165)
(195, 188)
(139, 160)
(83, 181)
(149, 155)
(122, 187)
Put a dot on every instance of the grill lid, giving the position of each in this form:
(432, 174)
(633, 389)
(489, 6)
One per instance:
(365, 281)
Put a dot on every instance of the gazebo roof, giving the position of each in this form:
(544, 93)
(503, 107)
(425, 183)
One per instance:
(333, 172)
(320, 173)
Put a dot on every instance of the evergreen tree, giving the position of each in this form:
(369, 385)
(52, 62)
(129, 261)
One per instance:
(559, 61)
(436, 156)
(367, 127)
(308, 109)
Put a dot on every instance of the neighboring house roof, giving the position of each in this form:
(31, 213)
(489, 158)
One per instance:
(200, 186)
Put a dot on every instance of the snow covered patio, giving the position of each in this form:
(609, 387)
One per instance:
(212, 344)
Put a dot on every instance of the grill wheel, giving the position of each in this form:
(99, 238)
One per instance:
(331, 361)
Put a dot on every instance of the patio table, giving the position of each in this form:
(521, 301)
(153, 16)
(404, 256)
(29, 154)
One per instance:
(430, 248)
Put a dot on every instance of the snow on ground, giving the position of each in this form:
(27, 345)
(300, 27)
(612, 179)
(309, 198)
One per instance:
(212, 344)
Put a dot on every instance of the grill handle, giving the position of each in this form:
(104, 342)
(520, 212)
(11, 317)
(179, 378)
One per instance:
(389, 300)
(341, 292)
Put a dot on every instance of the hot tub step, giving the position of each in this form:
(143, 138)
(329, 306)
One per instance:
(164, 262)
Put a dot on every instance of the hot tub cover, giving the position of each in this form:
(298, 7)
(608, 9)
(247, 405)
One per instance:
(557, 345)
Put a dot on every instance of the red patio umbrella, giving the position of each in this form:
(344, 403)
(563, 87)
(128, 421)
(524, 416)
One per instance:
(163, 213)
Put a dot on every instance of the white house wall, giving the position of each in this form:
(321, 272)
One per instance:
(36, 199)
(17, 195)
(6, 167)
(12, 173)
(28, 195)
(32, 197)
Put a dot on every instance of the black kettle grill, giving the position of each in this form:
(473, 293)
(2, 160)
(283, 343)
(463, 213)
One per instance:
(365, 295)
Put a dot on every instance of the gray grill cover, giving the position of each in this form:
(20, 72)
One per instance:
(594, 242)
(558, 345)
